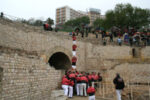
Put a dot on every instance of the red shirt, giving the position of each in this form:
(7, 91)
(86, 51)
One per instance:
(89, 77)
(77, 73)
(74, 47)
(72, 75)
(64, 76)
(94, 77)
(83, 78)
(74, 38)
(73, 32)
(78, 79)
(71, 83)
(46, 25)
(65, 81)
(74, 59)
(91, 90)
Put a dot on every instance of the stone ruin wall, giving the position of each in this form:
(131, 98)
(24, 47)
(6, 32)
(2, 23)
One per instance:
(42, 43)
(26, 78)
(115, 59)
(26, 74)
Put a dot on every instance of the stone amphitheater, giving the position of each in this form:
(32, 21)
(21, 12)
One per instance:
(32, 62)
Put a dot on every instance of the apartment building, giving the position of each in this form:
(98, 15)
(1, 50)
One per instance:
(93, 14)
(66, 13)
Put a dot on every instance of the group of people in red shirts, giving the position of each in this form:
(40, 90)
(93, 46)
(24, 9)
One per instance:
(80, 82)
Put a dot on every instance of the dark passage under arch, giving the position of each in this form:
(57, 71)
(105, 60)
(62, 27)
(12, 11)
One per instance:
(59, 60)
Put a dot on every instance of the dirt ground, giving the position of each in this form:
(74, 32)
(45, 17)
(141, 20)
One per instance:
(86, 98)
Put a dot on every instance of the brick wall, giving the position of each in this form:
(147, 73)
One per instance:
(27, 78)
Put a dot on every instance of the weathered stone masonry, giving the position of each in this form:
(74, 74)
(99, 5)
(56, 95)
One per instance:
(27, 78)
(25, 72)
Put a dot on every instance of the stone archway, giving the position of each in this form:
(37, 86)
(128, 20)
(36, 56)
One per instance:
(59, 60)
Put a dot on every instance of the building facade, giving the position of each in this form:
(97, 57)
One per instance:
(66, 13)
(93, 14)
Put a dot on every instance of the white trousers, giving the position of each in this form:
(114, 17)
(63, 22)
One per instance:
(118, 94)
(74, 53)
(78, 88)
(73, 66)
(65, 88)
(92, 97)
(83, 89)
(93, 84)
(70, 91)
(74, 42)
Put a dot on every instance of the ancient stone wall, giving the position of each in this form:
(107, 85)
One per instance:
(46, 43)
(25, 73)
(25, 78)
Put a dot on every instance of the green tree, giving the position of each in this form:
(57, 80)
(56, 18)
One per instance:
(98, 22)
(78, 21)
(125, 15)
(50, 21)
(38, 22)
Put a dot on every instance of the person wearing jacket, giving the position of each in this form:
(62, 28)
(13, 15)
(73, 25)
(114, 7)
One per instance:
(71, 84)
(84, 81)
(91, 92)
(119, 85)
(65, 84)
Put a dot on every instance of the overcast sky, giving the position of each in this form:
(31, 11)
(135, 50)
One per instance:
(47, 8)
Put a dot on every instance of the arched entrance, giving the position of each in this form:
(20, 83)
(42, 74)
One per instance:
(59, 60)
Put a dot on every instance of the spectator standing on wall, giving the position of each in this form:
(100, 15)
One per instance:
(111, 37)
(119, 41)
(86, 30)
(119, 85)
(131, 40)
(2, 14)
(77, 30)
(82, 30)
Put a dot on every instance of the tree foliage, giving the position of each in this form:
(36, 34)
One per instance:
(78, 21)
(50, 21)
(125, 15)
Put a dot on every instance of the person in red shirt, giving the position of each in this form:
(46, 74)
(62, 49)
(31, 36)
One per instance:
(74, 38)
(89, 76)
(93, 78)
(74, 49)
(72, 76)
(71, 84)
(84, 81)
(65, 85)
(78, 80)
(91, 92)
(74, 60)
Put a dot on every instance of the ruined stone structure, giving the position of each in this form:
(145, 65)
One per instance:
(32, 61)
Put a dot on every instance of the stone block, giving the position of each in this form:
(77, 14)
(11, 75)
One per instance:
(57, 93)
